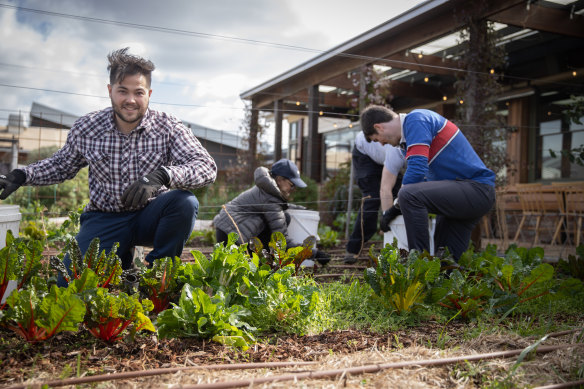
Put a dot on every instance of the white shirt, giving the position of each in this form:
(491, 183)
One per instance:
(386, 155)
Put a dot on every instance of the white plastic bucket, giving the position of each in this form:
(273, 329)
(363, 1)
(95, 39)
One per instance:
(398, 231)
(303, 223)
(9, 220)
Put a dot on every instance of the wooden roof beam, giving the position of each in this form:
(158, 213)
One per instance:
(542, 19)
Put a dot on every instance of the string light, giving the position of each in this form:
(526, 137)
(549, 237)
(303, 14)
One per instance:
(444, 98)
(298, 103)
(461, 101)
(321, 113)
(420, 55)
(492, 71)
(574, 73)
(426, 79)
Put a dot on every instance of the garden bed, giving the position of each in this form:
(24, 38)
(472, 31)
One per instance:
(361, 332)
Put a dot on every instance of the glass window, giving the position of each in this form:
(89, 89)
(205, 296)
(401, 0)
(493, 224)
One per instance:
(557, 136)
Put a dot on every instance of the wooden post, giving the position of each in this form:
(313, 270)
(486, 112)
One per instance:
(313, 157)
(278, 118)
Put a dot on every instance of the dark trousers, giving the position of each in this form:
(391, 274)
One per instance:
(165, 223)
(458, 206)
(368, 218)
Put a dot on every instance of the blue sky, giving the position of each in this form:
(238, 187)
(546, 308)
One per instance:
(206, 52)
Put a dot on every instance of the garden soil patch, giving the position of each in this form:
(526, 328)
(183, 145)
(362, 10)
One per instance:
(70, 355)
(66, 354)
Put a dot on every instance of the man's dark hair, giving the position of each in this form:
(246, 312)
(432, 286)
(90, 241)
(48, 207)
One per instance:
(122, 64)
(372, 115)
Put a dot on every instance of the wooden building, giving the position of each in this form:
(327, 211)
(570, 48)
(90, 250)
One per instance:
(418, 50)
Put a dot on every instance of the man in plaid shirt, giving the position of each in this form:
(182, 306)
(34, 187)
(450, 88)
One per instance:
(135, 156)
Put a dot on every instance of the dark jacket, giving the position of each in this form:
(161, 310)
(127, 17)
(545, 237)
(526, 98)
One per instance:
(255, 209)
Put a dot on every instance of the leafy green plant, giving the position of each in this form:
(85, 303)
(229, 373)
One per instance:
(515, 274)
(108, 267)
(574, 265)
(20, 260)
(198, 315)
(161, 283)
(37, 315)
(108, 315)
(462, 292)
(402, 285)
(223, 272)
(328, 237)
(282, 302)
(278, 257)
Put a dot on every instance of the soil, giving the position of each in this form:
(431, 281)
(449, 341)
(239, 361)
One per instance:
(70, 355)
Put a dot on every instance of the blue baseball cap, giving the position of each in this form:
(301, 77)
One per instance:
(288, 169)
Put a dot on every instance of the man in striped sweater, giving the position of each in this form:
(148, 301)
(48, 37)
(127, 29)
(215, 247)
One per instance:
(444, 176)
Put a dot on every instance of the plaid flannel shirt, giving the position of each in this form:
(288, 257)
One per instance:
(117, 160)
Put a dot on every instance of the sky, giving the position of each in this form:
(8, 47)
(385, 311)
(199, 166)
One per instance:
(206, 53)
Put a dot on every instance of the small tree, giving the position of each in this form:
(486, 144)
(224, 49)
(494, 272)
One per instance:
(478, 86)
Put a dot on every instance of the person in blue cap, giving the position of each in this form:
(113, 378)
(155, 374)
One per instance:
(261, 210)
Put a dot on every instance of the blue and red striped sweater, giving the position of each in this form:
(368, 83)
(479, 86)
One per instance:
(437, 150)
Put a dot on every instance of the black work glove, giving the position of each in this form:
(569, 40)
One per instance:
(137, 194)
(387, 218)
(11, 182)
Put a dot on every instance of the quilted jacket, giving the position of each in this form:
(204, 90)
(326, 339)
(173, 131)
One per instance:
(255, 209)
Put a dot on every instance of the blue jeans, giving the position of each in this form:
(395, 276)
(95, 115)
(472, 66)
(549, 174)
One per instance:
(165, 223)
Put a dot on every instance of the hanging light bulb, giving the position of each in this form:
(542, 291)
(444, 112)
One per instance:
(426, 79)
(574, 73)
(321, 113)
(444, 98)
(492, 71)
(461, 101)
(298, 103)
(420, 55)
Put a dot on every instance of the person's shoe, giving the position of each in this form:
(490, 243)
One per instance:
(350, 258)
(322, 257)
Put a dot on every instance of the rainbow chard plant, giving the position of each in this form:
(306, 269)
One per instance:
(108, 267)
(109, 316)
(278, 256)
(161, 283)
(516, 275)
(20, 260)
(37, 314)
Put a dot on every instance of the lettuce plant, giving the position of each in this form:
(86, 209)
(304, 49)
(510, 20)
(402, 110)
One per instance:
(198, 315)
(223, 272)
